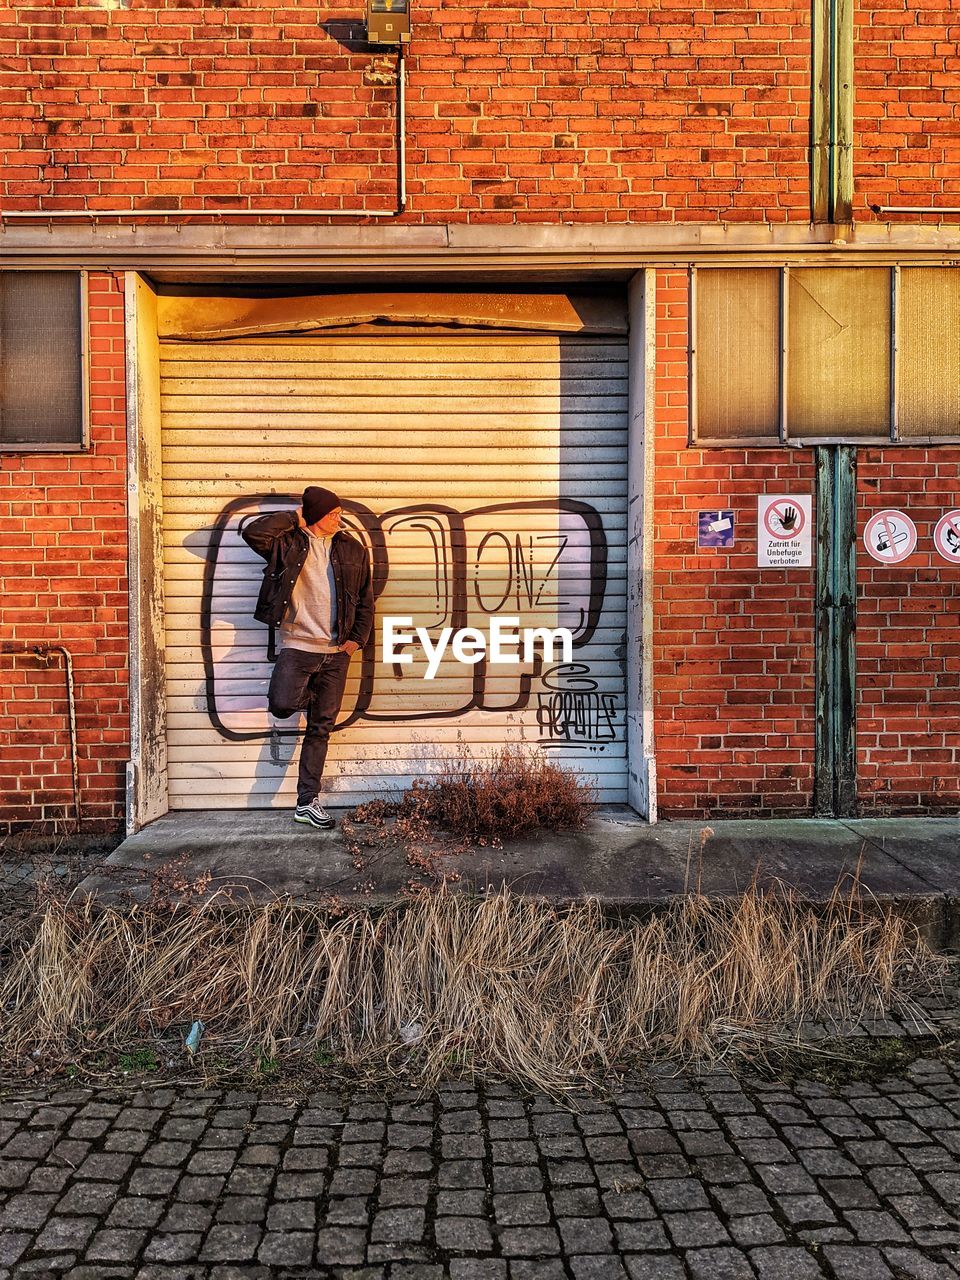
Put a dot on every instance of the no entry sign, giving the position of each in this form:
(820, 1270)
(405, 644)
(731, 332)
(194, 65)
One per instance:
(783, 518)
(783, 530)
(890, 536)
(946, 536)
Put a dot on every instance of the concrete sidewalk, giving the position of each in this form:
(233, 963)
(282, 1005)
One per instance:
(913, 863)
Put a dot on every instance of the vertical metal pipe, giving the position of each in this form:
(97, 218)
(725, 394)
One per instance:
(401, 131)
(835, 780)
(843, 71)
(845, 657)
(824, 758)
(72, 715)
(43, 652)
(832, 111)
(819, 112)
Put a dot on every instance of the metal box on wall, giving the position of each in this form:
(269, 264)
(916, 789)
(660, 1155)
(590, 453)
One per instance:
(388, 21)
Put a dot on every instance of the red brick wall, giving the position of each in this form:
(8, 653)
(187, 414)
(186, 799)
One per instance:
(907, 105)
(733, 644)
(694, 110)
(63, 580)
(908, 641)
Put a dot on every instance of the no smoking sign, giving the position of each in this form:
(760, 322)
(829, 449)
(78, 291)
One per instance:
(890, 536)
(783, 530)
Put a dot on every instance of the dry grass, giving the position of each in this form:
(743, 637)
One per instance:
(504, 985)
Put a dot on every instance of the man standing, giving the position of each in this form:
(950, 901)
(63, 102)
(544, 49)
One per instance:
(317, 589)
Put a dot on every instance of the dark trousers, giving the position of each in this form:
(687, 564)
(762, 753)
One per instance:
(314, 683)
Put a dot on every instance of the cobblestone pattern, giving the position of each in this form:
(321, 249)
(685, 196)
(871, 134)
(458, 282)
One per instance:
(708, 1179)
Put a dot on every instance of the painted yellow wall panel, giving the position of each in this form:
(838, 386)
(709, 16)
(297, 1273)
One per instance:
(838, 352)
(928, 364)
(737, 353)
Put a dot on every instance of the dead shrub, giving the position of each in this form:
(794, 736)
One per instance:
(512, 792)
(472, 803)
(504, 985)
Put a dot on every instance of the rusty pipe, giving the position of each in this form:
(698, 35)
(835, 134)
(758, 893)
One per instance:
(44, 653)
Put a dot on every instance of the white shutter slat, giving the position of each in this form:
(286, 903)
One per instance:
(389, 422)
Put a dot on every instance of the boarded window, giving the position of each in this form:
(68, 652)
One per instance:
(822, 339)
(41, 360)
(838, 352)
(928, 352)
(738, 344)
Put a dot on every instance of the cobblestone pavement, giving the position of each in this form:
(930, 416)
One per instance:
(715, 1178)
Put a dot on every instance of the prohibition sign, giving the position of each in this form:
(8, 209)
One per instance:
(774, 516)
(890, 536)
(946, 536)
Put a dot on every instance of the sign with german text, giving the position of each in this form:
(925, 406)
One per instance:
(784, 524)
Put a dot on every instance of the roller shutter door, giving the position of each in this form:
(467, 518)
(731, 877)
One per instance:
(486, 473)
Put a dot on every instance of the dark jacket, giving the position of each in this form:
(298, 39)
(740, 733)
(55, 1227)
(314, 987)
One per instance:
(283, 544)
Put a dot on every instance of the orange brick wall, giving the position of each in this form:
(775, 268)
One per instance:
(63, 580)
(733, 644)
(908, 641)
(907, 104)
(690, 110)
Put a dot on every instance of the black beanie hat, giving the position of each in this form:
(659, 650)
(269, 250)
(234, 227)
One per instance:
(317, 503)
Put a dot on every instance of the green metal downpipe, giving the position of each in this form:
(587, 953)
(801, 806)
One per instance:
(831, 111)
(835, 789)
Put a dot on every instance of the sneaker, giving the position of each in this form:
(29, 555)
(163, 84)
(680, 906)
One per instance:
(313, 814)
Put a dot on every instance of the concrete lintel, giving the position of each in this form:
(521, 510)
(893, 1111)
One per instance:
(221, 250)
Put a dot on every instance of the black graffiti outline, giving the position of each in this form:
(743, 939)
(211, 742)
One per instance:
(559, 705)
(564, 539)
(373, 527)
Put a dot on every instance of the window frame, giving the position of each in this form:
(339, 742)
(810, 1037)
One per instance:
(783, 438)
(82, 445)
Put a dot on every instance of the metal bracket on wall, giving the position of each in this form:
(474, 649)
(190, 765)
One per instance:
(835, 753)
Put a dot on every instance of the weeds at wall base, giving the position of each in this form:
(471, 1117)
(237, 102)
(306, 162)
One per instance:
(443, 983)
(834, 1063)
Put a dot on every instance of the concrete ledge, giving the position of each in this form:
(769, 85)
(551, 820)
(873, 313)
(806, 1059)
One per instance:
(911, 864)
